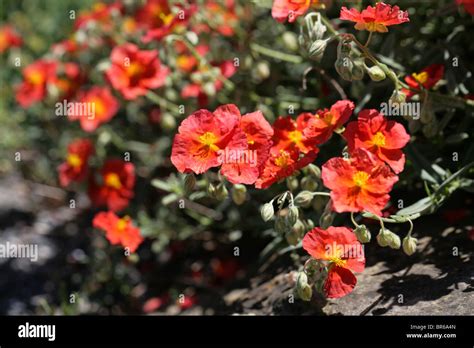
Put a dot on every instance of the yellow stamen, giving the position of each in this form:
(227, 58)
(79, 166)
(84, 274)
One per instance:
(378, 139)
(35, 78)
(295, 136)
(113, 180)
(99, 106)
(360, 178)
(122, 223)
(74, 160)
(282, 160)
(134, 69)
(421, 77)
(338, 261)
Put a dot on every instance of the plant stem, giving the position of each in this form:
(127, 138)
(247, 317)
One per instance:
(290, 58)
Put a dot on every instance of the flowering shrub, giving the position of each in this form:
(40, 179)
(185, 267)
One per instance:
(282, 103)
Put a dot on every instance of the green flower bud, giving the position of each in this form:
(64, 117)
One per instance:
(211, 190)
(239, 194)
(267, 211)
(362, 234)
(375, 73)
(262, 70)
(299, 229)
(221, 192)
(291, 238)
(326, 220)
(303, 289)
(292, 215)
(168, 122)
(309, 184)
(280, 224)
(314, 171)
(318, 30)
(343, 67)
(209, 88)
(309, 224)
(317, 48)
(397, 97)
(290, 41)
(319, 202)
(394, 242)
(388, 238)
(382, 238)
(358, 71)
(409, 245)
(189, 183)
(303, 199)
(292, 183)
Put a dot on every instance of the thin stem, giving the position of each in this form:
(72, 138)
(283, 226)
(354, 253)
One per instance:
(290, 58)
(162, 102)
(368, 39)
(353, 220)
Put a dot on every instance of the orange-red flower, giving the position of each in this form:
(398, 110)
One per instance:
(361, 183)
(376, 18)
(114, 186)
(383, 138)
(36, 76)
(468, 5)
(245, 167)
(321, 126)
(134, 72)
(343, 253)
(68, 80)
(185, 60)
(282, 164)
(290, 134)
(100, 13)
(426, 78)
(290, 9)
(9, 38)
(223, 14)
(105, 106)
(76, 166)
(204, 135)
(118, 230)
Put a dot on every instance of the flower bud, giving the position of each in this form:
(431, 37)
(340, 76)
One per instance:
(343, 67)
(291, 238)
(319, 202)
(317, 48)
(280, 224)
(189, 183)
(292, 215)
(309, 184)
(358, 71)
(326, 220)
(303, 199)
(388, 238)
(303, 289)
(299, 229)
(394, 241)
(262, 70)
(292, 183)
(211, 190)
(362, 233)
(318, 30)
(375, 73)
(397, 97)
(290, 40)
(168, 122)
(409, 245)
(239, 193)
(209, 89)
(382, 238)
(314, 171)
(221, 192)
(267, 211)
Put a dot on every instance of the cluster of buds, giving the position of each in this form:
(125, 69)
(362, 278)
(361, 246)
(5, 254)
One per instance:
(348, 66)
(312, 36)
(388, 238)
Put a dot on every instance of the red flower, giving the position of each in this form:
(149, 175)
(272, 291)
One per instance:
(185, 60)
(289, 134)
(204, 135)
(200, 91)
(116, 185)
(152, 304)
(339, 247)
(105, 107)
(376, 18)
(118, 230)
(223, 14)
(324, 122)
(468, 5)
(36, 77)
(101, 13)
(282, 164)
(75, 168)
(291, 9)
(359, 184)
(9, 38)
(383, 138)
(426, 78)
(245, 168)
(68, 80)
(134, 72)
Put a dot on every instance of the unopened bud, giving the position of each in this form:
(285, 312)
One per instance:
(189, 183)
(303, 289)
(388, 238)
(280, 224)
(376, 73)
(221, 192)
(262, 70)
(344, 68)
(317, 48)
(314, 171)
(397, 97)
(303, 199)
(291, 238)
(168, 122)
(409, 245)
(209, 88)
(267, 211)
(309, 184)
(211, 190)
(318, 30)
(358, 70)
(299, 229)
(292, 215)
(326, 220)
(290, 40)
(362, 234)
(382, 238)
(239, 193)
(292, 183)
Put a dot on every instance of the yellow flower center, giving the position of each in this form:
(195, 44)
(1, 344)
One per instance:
(209, 141)
(74, 160)
(421, 77)
(113, 180)
(372, 26)
(99, 106)
(360, 178)
(338, 261)
(35, 78)
(378, 139)
(295, 136)
(328, 118)
(134, 69)
(282, 160)
(122, 223)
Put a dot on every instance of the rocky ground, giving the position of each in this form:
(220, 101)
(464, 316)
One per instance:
(438, 280)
